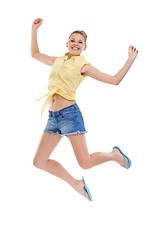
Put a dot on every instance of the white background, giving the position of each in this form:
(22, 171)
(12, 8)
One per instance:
(37, 205)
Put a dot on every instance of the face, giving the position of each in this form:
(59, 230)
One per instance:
(76, 44)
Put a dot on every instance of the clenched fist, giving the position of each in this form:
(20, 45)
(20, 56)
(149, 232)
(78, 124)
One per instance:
(37, 23)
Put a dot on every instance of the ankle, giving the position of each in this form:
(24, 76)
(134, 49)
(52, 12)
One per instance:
(77, 185)
(74, 183)
(114, 154)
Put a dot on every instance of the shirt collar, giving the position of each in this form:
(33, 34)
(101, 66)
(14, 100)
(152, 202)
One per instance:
(72, 57)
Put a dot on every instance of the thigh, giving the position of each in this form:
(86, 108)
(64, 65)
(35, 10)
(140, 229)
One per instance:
(79, 145)
(46, 145)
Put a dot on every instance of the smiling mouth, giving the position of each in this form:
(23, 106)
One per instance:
(75, 48)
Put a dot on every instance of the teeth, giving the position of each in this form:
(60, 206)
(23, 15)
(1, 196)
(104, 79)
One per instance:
(75, 48)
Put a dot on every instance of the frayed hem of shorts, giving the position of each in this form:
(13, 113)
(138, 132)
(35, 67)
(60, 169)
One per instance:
(53, 133)
(62, 135)
(73, 133)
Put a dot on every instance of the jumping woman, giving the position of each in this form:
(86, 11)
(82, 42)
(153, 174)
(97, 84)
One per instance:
(65, 117)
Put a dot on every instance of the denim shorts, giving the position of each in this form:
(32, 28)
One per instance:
(66, 121)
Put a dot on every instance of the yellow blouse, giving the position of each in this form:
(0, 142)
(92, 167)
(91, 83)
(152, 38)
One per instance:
(65, 78)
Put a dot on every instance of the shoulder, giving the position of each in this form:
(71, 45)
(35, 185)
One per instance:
(58, 60)
(84, 66)
(83, 62)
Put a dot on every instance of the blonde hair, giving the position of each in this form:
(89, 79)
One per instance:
(82, 33)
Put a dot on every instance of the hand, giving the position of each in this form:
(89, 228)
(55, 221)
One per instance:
(132, 52)
(37, 23)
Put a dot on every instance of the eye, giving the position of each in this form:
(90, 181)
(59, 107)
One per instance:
(73, 41)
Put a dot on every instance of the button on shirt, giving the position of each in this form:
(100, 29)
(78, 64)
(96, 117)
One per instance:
(65, 78)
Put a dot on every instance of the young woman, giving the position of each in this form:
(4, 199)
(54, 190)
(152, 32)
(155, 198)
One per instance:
(65, 117)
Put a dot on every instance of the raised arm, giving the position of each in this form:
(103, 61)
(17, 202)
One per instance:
(88, 70)
(132, 53)
(35, 53)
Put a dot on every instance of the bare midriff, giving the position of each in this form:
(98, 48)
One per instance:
(58, 102)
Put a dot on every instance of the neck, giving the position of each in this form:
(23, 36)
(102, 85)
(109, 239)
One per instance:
(70, 55)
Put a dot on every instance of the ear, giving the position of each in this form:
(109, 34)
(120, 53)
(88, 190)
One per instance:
(84, 48)
(67, 44)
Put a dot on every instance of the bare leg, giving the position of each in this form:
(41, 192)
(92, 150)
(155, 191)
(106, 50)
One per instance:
(87, 160)
(55, 168)
(41, 160)
(102, 157)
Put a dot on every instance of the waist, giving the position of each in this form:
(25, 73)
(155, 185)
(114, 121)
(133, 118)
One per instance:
(63, 110)
(58, 102)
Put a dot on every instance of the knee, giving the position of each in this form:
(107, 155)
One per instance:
(37, 163)
(84, 164)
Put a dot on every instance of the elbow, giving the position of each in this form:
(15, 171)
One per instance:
(115, 82)
(33, 54)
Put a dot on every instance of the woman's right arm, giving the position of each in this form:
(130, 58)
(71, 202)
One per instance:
(35, 53)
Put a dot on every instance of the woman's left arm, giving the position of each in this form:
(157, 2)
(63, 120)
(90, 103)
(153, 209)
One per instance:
(90, 71)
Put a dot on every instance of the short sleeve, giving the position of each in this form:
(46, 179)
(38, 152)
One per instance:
(82, 63)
